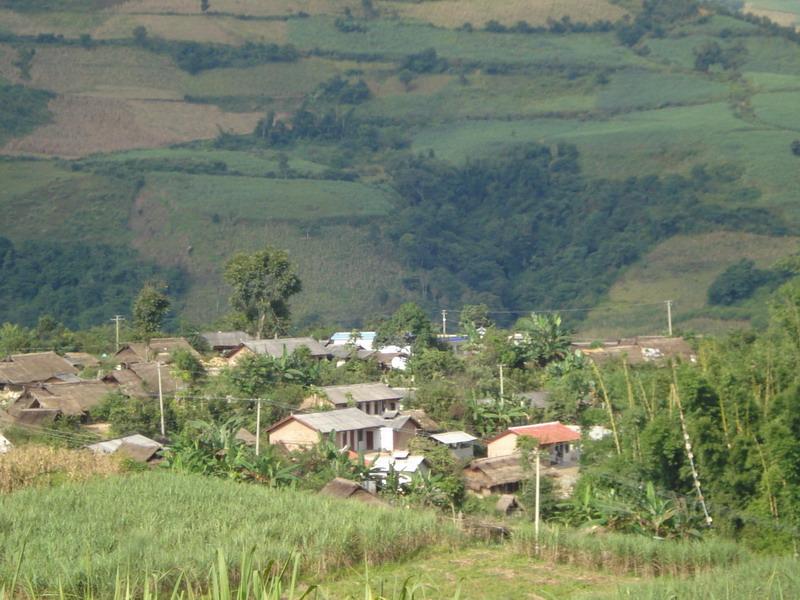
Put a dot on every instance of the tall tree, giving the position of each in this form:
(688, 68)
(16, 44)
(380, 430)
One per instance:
(149, 309)
(409, 325)
(262, 284)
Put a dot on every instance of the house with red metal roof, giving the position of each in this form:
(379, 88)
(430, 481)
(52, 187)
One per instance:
(558, 440)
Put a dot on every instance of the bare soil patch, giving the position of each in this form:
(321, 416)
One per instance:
(453, 13)
(783, 18)
(241, 7)
(87, 124)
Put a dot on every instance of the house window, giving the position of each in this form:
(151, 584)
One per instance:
(391, 406)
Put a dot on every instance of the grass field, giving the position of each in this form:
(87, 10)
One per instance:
(782, 12)
(160, 521)
(680, 269)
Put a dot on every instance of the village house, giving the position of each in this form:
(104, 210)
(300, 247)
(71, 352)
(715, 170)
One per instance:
(224, 341)
(343, 354)
(156, 350)
(140, 379)
(351, 427)
(81, 360)
(398, 431)
(460, 443)
(48, 401)
(494, 475)
(638, 350)
(19, 370)
(277, 348)
(371, 398)
(559, 441)
(136, 447)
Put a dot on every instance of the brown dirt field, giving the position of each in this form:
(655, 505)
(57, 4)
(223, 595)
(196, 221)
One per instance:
(87, 124)
(453, 13)
(426, 84)
(75, 70)
(786, 19)
(241, 7)
(199, 28)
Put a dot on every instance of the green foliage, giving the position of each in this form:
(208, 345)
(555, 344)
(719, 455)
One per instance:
(738, 282)
(79, 284)
(183, 513)
(340, 91)
(410, 324)
(22, 109)
(262, 284)
(149, 309)
(187, 367)
(129, 415)
(544, 338)
(526, 223)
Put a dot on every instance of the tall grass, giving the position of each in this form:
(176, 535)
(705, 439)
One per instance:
(43, 465)
(275, 581)
(78, 537)
(765, 579)
(629, 554)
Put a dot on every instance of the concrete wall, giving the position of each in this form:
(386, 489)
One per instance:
(502, 446)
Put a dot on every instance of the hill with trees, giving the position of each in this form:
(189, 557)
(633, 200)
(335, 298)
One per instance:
(529, 156)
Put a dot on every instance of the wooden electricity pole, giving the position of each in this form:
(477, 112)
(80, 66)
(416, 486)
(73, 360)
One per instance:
(536, 503)
(669, 317)
(117, 319)
(161, 401)
(258, 426)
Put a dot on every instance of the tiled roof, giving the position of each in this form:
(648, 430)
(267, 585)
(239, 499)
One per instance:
(547, 433)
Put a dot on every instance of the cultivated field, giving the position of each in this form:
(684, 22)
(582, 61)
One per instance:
(161, 522)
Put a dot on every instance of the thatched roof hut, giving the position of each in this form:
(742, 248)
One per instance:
(495, 475)
(347, 489)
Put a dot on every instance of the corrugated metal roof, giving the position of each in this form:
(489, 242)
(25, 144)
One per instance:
(340, 336)
(276, 348)
(111, 446)
(453, 437)
(345, 419)
(410, 464)
(361, 392)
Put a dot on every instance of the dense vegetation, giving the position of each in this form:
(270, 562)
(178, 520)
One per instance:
(22, 109)
(78, 282)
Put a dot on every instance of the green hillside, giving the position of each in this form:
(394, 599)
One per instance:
(182, 143)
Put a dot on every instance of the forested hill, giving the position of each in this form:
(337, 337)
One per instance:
(534, 154)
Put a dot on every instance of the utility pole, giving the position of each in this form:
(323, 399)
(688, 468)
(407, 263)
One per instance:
(161, 401)
(501, 384)
(258, 426)
(444, 322)
(117, 319)
(669, 317)
(536, 509)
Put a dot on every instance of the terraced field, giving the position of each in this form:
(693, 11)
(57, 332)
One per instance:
(126, 110)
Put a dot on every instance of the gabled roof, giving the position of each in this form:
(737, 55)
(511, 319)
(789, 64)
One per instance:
(498, 470)
(345, 336)
(546, 433)
(276, 348)
(158, 349)
(136, 446)
(245, 437)
(35, 367)
(81, 359)
(340, 395)
(453, 437)
(147, 372)
(68, 398)
(226, 339)
(344, 488)
(421, 417)
(346, 419)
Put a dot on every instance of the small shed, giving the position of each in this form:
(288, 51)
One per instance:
(137, 447)
(496, 475)
(349, 490)
(460, 443)
(508, 504)
(245, 437)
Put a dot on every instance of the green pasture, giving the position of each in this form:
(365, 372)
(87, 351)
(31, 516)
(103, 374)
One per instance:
(648, 142)
(260, 200)
(157, 522)
(394, 39)
(780, 109)
(255, 163)
(681, 269)
(639, 88)
(49, 202)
